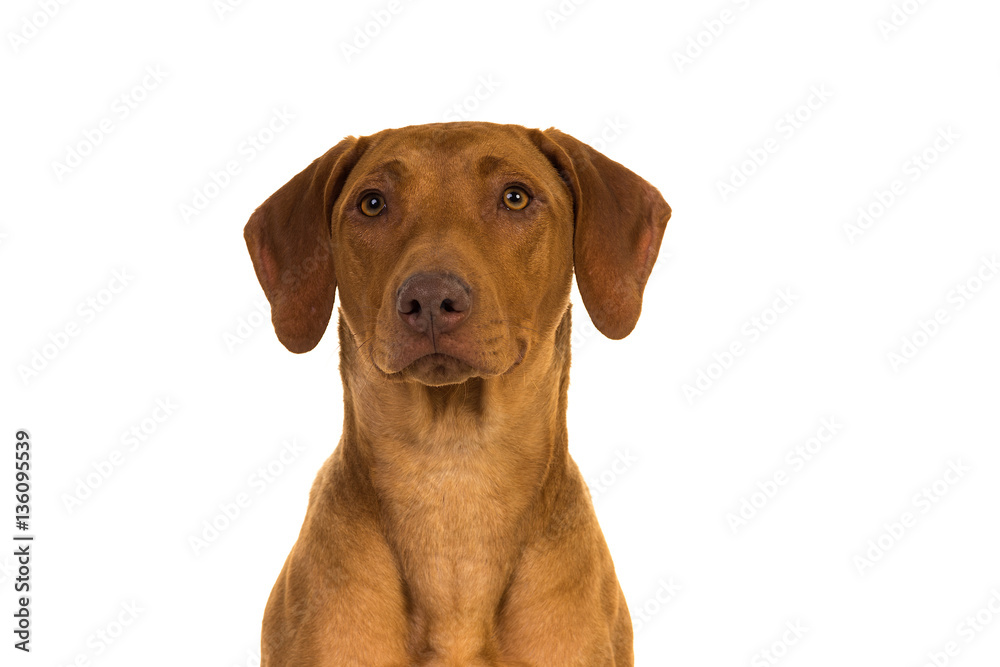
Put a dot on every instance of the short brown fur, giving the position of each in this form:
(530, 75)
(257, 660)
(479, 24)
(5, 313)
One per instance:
(450, 527)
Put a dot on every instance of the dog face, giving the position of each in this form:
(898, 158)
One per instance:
(453, 246)
(454, 254)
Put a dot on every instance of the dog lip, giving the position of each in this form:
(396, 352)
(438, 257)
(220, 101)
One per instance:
(436, 356)
(445, 358)
(440, 358)
(430, 357)
(522, 352)
(438, 369)
(433, 356)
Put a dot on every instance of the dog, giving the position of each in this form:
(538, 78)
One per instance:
(450, 527)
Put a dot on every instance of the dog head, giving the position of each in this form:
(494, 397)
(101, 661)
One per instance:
(453, 246)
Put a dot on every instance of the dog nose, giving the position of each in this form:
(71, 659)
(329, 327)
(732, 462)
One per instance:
(433, 303)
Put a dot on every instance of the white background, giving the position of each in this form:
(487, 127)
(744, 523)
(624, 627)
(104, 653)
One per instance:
(609, 73)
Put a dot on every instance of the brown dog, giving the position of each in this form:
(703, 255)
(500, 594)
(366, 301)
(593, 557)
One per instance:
(450, 526)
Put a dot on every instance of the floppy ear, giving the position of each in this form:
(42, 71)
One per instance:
(620, 219)
(289, 241)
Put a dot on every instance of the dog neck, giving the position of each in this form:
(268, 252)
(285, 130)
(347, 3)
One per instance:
(460, 476)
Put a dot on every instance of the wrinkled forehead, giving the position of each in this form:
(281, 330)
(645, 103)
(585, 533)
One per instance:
(460, 153)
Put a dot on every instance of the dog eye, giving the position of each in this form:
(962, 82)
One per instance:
(515, 198)
(372, 204)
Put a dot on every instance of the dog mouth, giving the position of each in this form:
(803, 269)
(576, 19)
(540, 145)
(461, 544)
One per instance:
(438, 368)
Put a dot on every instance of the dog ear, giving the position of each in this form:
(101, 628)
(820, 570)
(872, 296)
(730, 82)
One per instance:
(619, 223)
(289, 240)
